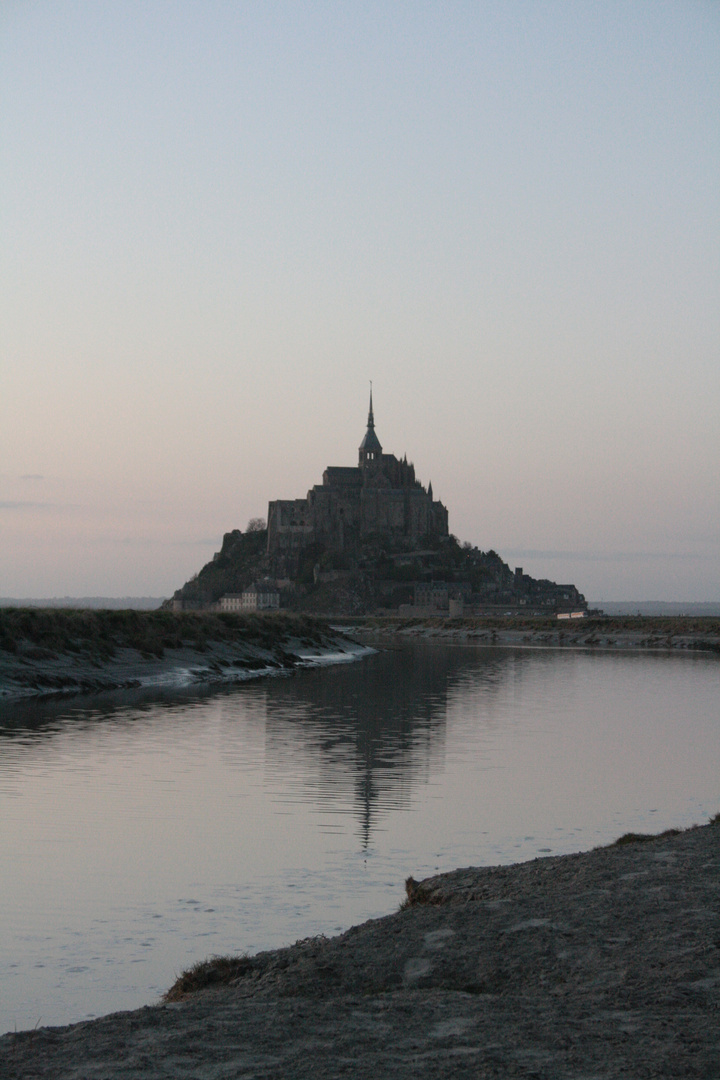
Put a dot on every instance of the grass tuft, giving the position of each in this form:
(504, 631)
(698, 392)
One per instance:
(643, 838)
(216, 971)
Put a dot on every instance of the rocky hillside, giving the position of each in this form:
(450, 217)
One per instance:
(379, 576)
(241, 560)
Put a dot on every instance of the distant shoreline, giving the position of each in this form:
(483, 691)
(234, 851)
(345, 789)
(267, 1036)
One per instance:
(654, 608)
(625, 633)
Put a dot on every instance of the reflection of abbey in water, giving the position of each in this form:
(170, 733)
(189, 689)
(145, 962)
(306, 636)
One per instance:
(379, 496)
(364, 736)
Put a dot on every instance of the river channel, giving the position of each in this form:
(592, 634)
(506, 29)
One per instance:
(139, 834)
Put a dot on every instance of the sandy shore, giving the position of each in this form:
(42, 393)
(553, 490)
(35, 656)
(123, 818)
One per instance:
(600, 965)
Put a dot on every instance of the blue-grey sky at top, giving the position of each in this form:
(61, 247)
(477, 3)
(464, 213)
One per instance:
(220, 220)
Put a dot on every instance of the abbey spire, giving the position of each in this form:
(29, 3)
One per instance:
(370, 448)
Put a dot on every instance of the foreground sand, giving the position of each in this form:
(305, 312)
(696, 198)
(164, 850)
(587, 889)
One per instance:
(599, 965)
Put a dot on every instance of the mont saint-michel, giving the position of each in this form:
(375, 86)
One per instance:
(371, 538)
(378, 500)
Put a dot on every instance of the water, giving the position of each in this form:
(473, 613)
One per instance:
(140, 834)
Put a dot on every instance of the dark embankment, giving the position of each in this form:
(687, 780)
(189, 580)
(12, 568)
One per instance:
(48, 651)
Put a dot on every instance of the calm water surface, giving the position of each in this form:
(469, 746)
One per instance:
(139, 835)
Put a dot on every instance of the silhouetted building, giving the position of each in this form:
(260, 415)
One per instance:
(380, 496)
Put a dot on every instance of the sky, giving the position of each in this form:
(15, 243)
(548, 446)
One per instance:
(220, 220)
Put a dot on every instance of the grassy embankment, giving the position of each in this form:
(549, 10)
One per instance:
(43, 633)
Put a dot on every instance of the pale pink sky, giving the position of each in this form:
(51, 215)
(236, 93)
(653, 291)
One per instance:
(221, 220)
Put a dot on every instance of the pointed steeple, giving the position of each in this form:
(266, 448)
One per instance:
(370, 448)
(430, 494)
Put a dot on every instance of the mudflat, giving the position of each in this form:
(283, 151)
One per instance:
(598, 965)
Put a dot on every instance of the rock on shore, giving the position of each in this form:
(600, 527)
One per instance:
(599, 965)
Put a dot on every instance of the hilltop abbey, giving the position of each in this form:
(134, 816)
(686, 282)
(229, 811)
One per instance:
(370, 538)
(379, 496)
